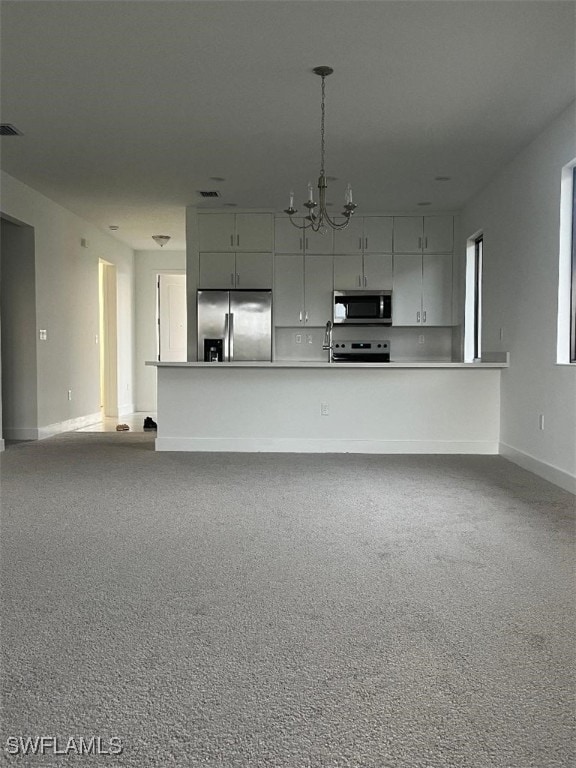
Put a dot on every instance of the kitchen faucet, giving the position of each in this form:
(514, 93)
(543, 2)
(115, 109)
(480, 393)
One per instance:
(328, 340)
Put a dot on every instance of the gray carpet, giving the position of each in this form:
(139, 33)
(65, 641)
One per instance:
(285, 611)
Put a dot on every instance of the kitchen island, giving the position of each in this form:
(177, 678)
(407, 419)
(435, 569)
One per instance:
(321, 407)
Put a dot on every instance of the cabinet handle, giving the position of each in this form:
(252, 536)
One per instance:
(300, 315)
(419, 243)
(424, 316)
(238, 240)
(306, 318)
(366, 244)
(425, 242)
(237, 278)
(231, 278)
(232, 241)
(301, 243)
(359, 243)
(359, 281)
(417, 317)
(365, 281)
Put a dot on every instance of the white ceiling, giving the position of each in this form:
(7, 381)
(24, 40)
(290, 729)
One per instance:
(128, 108)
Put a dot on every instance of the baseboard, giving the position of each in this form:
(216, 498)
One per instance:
(70, 425)
(541, 468)
(127, 409)
(20, 433)
(310, 445)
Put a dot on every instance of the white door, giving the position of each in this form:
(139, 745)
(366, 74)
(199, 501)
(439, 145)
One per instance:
(172, 318)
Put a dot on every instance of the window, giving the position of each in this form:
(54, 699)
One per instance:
(566, 331)
(473, 301)
(478, 244)
(573, 274)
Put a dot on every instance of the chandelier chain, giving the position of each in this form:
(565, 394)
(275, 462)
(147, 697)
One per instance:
(322, 131)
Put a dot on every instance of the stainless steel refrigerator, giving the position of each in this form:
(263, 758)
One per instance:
(234, 325)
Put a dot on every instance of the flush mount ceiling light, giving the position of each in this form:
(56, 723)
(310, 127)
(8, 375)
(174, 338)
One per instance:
(318, 218)
(161, 239)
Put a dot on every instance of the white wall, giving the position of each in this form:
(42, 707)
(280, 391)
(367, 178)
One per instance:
(519, 215)
(147, 266)
(67, 307)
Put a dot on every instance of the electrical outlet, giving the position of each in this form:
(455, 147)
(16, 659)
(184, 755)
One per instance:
(69, 394)
(421, 339)
(43, 334)
(298, 338)
(324, 409)
(541, 421)
(96, 340)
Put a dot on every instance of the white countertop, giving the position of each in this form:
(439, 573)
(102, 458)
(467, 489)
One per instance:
(328, 366)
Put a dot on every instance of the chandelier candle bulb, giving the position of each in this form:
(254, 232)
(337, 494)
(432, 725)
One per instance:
(310, 192)
(291, 206)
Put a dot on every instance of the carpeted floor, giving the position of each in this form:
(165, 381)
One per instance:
(284, 611)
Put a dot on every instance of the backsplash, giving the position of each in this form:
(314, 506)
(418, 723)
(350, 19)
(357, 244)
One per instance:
(406, 344)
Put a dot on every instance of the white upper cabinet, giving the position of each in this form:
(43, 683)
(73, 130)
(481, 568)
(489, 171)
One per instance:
(235, 232)
(378, 271)
(408, 234)
(291, 239)
(351, 239)
(318, 287)
(287, 238)
(407, 292)
(235, 270)
(371, 271)
(371, 234)
(423, 234)
(438, 234)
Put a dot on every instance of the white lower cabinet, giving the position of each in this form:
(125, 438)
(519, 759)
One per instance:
(302, 289)
(422, 292)
(235, 270)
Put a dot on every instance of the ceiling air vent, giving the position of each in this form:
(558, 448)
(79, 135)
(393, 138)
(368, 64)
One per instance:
(9, 130)
(208, 193)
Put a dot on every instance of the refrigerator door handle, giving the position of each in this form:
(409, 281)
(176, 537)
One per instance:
(226, 337)
(231, 342)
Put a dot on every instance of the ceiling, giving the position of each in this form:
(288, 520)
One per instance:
(128, 109)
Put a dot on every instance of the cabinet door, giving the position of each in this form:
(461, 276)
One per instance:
(253, 270)
(287, 238)
(349, 240)
(254, 232)
(347, 271)
(438, 234)
(437, 289)
(377, 271)
(319, 242)
(216, 232)
(288, 300)
(217, 270)
(318, 289)
(407, 291)
(378, 234)
(408, 234)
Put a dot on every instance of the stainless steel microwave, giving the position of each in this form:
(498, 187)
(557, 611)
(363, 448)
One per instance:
(363, 307)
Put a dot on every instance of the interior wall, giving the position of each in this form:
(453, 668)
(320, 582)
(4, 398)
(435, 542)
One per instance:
(67, 307)
(519, 215)
(19, 399)
(147, 266)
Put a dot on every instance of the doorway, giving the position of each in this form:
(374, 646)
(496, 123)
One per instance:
(172, 318)
(108, 332)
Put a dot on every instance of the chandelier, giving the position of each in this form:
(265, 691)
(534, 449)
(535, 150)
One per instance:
(318, 218)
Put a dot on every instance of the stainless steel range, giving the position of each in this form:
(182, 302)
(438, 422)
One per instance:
(354, 351)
